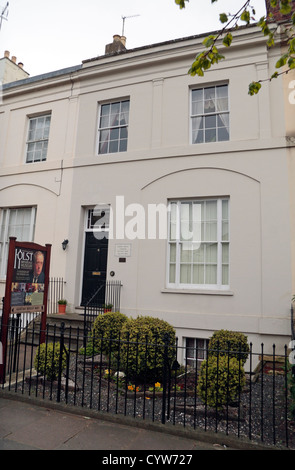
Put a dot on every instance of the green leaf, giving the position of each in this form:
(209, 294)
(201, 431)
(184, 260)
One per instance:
(270, 42)
(196, 71)
(245, 16)
(282, 61)
(209, 41)
(196, 67)
(254, 88)
(227, 40)
(206, 64)
(266, 30)
(264, 26)
(292, 45)
(223, 18)
(218, 57)
(285, 7)
(261, 22)
(181, 3)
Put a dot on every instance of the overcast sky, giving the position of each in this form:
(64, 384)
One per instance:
(48, 35)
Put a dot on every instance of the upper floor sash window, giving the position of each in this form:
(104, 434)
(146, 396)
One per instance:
(210, 114)
(113, 127)
(38, 136)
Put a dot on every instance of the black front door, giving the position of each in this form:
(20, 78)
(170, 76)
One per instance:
(95, 269)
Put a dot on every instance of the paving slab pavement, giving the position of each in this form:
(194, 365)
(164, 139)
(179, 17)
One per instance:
(26, 424)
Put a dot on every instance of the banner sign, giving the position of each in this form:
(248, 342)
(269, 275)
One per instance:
(26, 288)
(28, 280)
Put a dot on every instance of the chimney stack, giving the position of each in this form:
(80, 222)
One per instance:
(277, 16)
(11, 70)
(118, 45)
(13, 59)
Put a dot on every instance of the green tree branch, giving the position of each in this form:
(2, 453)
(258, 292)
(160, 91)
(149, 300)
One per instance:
(211, 54)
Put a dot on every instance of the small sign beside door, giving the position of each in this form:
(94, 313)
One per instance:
(123, 250)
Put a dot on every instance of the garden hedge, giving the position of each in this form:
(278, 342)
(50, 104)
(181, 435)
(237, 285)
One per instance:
(143, 353)
(229, 343)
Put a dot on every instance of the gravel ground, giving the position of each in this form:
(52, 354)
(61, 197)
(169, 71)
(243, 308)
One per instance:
(258, 416)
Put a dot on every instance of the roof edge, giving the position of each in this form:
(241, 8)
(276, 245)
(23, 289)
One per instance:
(41, 77)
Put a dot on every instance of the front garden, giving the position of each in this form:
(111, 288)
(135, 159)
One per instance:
(134, 367)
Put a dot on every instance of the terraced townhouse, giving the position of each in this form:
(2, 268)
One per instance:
(179, 188)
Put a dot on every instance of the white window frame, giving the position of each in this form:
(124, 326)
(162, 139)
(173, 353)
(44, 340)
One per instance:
(201, 114)
(93, 215)
(219, 285)
(42, 141)
(5, 233)
(199, 345)
(109, 128)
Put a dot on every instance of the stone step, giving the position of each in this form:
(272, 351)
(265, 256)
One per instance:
(73, 320)
(73, 329)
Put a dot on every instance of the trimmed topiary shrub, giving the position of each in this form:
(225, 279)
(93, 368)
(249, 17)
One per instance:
(142, 349)
(220, 381)
(105, 332)
(46, 361)
(232, 343)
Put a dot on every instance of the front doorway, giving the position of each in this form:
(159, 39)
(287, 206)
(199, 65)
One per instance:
(95, 256)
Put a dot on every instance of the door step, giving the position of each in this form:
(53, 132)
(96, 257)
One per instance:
(73, 330)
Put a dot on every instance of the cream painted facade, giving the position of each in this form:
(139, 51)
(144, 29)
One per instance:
(253, 170)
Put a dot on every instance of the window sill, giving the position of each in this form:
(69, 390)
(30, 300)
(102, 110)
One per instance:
(197, 291)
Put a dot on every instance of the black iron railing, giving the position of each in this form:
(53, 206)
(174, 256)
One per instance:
(261, 409)
(55, 293)
(106, 298)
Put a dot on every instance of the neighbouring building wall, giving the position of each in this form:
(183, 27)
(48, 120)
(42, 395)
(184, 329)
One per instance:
(10, 70)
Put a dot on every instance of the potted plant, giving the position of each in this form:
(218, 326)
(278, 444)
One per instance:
(62, 303)
(107, 307)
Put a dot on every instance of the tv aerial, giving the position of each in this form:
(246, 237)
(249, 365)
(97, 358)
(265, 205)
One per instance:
(124, 18)
(4, 14)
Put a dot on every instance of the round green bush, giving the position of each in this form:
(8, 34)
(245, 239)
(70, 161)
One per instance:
(220, 381)
(46, 361)
(229, 343)
(142, 350)
(106, 332)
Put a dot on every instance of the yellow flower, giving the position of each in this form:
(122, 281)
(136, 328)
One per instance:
(157, 385)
